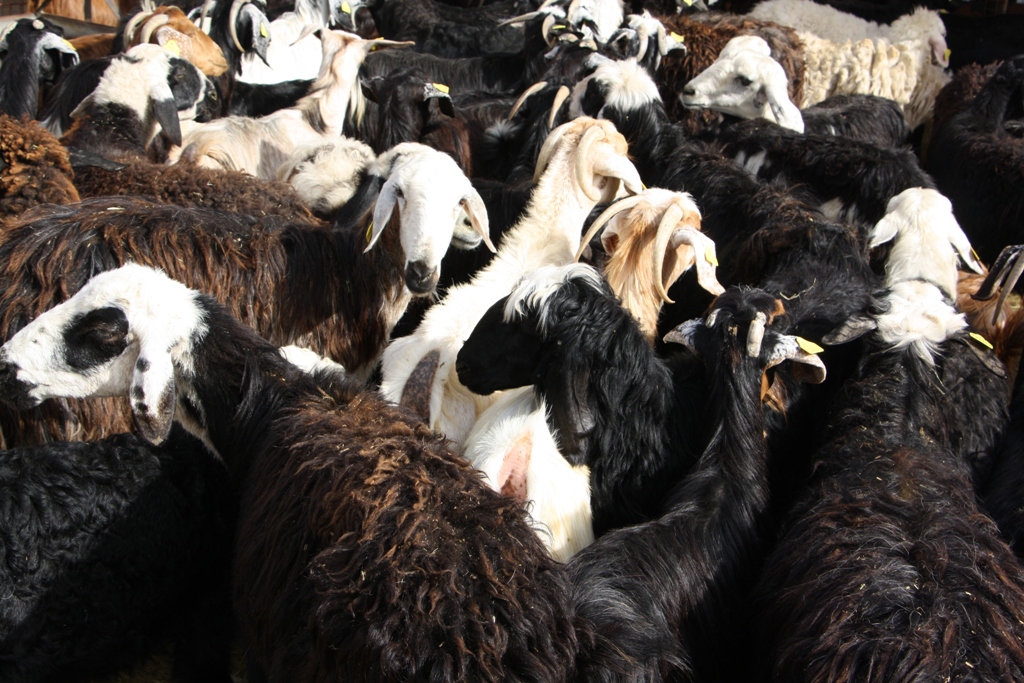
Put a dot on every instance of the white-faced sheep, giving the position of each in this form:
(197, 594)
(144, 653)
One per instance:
(260, 146)
(397, 562)
(321, 286)
(581, 164)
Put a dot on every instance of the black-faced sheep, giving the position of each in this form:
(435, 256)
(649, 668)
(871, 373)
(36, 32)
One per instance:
(34, 54)
(366, 549)
(310, 283)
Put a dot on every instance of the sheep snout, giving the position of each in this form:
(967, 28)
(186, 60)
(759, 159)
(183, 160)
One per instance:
(420, 277)
(14, 391)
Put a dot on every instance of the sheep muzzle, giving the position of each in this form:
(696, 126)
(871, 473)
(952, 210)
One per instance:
(421, 278)
(15, 391)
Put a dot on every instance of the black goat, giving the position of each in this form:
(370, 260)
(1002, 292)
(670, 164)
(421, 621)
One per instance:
(663, 595)
(888, 571)
(979, 164)
(34, 54)
(109, 548)
(614, 405)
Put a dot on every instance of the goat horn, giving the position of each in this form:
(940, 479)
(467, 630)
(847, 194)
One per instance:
(153, 24)
(755, 335)
(545, 152)
(668, 224)
(584, 151)
(643, 33)
(132, 26)
(1008, 284)
(536, 87)
(522, 18)
(606, 215)
(236, 7)
(546, 28)
(712, 317)
(684, 334)
(561, 96)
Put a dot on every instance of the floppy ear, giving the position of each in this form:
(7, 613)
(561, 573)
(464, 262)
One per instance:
(153, 396)
(854, 328)
(473, 205)
(785, 112)
(382, 212)
(444, 100)
(806, 365)
(884, 230)
(165, 109)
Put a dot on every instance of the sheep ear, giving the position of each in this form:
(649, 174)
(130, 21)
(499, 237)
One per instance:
(382, 211)
(807, 366)
(785, 112)
(153, 396)
(686, 334)
(963, 247)
(165, 109)
(884, 231)
(854, 328)
(512, 475)
(473, 205)
(692, 247)
(444, 100)
(368, 88)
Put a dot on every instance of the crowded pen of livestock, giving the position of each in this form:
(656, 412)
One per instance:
(527, 341)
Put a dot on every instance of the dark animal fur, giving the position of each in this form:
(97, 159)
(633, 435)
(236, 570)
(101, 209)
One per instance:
(867, 118)
(27, 67)
(110, 548)
(35, 170)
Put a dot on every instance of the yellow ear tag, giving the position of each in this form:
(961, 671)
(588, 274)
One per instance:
(442, 87)
(263, 29)
(369, 232)
(709, 256)
(975, 255)
(172, 47)
(689, 3)
(808, 346)
(558, 27)
(68, 44)
(346, 8)
(981, 340)
(678, 38)
(946, 54)
(642, 186)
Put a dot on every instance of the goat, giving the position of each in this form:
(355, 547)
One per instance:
(660, 594)
(168, 27)
(93, 46)
(111, 548)
(582, 163)
(397, 561)
(979, 164)
(34, 54)
(34, 168)
(295, 282)
(887, 570)
(260, 146)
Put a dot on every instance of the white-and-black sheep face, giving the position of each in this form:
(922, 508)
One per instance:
(120, 335)
(161, 89)
(507, 347)
(33, 54)
(432, 197)
(623, 86)
(251, 28)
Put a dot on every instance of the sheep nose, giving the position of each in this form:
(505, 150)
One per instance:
(420, 278)
(689, 92)
(462, 369)
(12, 390)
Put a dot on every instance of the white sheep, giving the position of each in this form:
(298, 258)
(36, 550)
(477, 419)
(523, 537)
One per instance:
(580, 164)
(260, 146)
(326, 173)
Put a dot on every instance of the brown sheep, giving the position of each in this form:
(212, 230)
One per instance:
(36, 169)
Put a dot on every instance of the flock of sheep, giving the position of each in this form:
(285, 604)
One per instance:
(574, 340)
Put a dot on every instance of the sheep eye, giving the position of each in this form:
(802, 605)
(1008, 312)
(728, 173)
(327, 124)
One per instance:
(743, 80)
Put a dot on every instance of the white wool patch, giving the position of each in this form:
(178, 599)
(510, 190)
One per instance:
(310, 361)
(162, 314)
(919, 317)
(131, 79)
(627, 85)
(326, 175)
(534, 290)
(557, 493)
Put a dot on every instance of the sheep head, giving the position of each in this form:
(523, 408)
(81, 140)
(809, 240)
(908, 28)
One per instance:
(745, 81)
(651, 239)
(246, 18)
(926, 240)
(33, 54)
(431, 195)
(125, 333)
(596, 153)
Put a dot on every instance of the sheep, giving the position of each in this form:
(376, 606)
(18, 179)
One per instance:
(297, 283)
(169, 27)
(327, 175)
(111, 549)
(837, 26)
(397, 561)
(979, 164)
(144, 92)
(659, 231)
(662, 595)
(73, 86)
(34, 54)
(260, 146)
(35, 168)
(887, 569)
(965, 86)
(582, 163)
